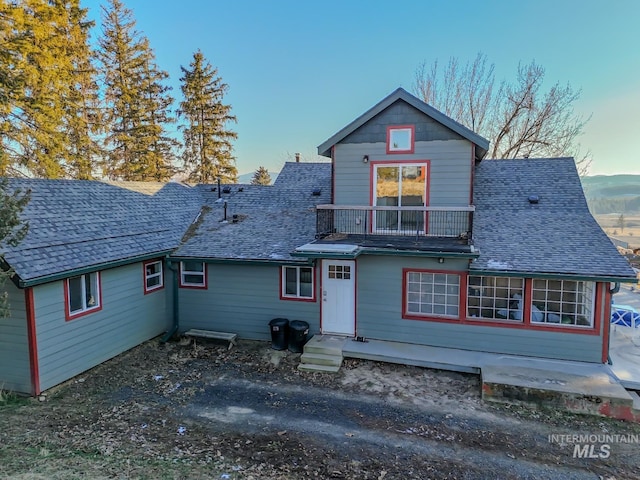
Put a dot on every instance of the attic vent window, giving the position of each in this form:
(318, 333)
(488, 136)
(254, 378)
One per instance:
(226, 190)
(401, 139)
(534, 199)
(316, 192)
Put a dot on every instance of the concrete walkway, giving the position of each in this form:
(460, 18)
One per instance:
(580, 387)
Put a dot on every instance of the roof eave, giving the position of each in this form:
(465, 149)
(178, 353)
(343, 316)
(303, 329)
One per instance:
(553, 275)
(482, 144)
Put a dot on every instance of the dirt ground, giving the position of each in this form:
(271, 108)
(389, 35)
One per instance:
(180, 410)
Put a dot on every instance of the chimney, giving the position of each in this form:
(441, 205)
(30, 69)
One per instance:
(297, 158)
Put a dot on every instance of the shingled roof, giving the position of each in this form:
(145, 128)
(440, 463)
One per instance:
(76, 224)
(557, 235)
(271, 220)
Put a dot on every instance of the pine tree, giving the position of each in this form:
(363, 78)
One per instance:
(45, 88)
(261, 177)
(207, 141)
(83, 115)
(138, 104)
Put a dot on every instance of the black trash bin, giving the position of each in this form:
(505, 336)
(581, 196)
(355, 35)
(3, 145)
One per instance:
(298, 331)
(279, 333)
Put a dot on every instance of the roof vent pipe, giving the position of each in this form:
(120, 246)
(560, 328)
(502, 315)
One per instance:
(297, 158)
(219, 195)
(534, 199)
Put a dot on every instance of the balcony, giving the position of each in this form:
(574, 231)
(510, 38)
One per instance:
(418, 222)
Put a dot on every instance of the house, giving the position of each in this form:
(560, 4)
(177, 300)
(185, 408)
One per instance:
(408, 234)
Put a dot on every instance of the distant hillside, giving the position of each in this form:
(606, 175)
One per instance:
(612, 193)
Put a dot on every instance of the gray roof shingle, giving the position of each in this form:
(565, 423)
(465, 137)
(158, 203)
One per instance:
(272, 220)
(76, 224)
(558, 235)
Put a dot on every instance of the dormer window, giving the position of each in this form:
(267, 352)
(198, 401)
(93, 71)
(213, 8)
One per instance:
(400, 139)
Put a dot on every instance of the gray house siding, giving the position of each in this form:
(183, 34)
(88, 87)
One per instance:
(15, 373)
(379, 316)
(401, 113)
(128, 318)
(243, 299)
(450, 170)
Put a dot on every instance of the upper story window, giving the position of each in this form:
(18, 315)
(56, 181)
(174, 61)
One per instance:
(82, 295)
(563, 303)
(193, 274)
(153, 276)
(400, 139)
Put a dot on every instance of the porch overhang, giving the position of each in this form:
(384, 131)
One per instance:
(349, 251)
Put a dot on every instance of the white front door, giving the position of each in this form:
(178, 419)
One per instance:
(338, 297)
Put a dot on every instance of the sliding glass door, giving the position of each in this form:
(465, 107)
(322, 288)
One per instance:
(400, 185)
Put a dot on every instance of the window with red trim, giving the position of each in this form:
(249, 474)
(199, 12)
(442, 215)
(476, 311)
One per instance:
(82, 294)
(400, 139)
(432, 294)
(564, 303)
(153, 276)
(495, 298)
(297, 283)
(193, 274)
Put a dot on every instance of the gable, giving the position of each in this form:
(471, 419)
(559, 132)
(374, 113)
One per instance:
(401, 113)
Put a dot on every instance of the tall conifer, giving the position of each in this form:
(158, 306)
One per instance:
(138, 104)
(207, 141)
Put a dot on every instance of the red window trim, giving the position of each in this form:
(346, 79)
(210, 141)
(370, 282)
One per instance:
(194, 287)
(144, 276)
(299, 299)
(412, 149)
(526, 322)
(391, 162)
(67, 313)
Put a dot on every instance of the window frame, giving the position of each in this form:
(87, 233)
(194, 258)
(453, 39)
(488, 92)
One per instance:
(589, 287)
(412, 139)
(407, 314)
(86, 310)
(146, 276)
(482, 296)
(183, 272)
(297, 297)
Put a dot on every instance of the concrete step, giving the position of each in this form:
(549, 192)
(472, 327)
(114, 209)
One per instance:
(310, 367)
(321, 359)
(325, 344)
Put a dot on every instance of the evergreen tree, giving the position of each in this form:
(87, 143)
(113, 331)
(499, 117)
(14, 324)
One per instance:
(261, 177)
(207, 141)
(138, 104)
(83, 115)
(44, 60)
(12, 230)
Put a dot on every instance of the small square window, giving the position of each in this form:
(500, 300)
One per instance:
(400, 139)
(297, 283)
(193, 274)
(83, 294)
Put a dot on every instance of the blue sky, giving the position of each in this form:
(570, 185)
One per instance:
(299, 71)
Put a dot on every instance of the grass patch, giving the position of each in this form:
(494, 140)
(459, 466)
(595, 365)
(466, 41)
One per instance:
(11, 399)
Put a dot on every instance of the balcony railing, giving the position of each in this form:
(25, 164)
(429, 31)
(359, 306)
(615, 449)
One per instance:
(454, 222)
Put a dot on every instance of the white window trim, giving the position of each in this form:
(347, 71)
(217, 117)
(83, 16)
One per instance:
(393, 130)
(147, 276)
(590, 305)
(202, 274)
(446, 294)
(83, 295)
(297, 295)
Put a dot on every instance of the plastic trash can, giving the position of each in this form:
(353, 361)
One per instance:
(279, 333)
(298, 331)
